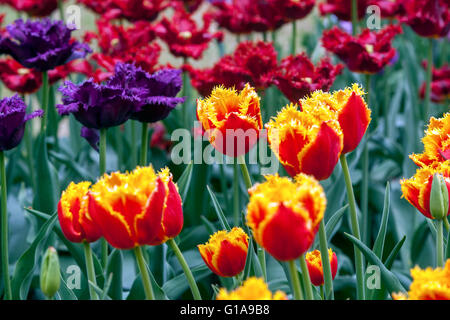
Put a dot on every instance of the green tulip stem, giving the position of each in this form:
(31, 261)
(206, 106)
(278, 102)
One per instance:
(440, 243)
(144, 273)
(248, 184)
(144, 144)
(45, 98)
(4, 230)
(359, 262)
(328, 278)
(102, 164)
(298, 295)
(90, 269)
(354, 17)
(306, 279)
(187, 271)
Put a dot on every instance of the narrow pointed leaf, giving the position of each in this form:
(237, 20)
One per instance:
(222, 219)
(381, 237)
(391, 281)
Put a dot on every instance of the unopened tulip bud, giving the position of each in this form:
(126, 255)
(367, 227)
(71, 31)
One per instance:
(50, 273)
(439, 197)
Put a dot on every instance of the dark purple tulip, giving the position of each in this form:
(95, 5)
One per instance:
(13, 118)
(98, 106)
(92, 137)
(157, 92)
(41, 44)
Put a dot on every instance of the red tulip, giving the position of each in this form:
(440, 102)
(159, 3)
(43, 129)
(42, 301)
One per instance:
(285, 216)
(61, 72)
(428, 18)
(307, 140)
(297, 77)
(137, 208)
(343, 8)
(315, 268)
(226, 252)
(35, 8)
(440, 84)
(19, 79)
(231, 119)
(251, 62)
(368, 52)
(183, 36)
(74, 214)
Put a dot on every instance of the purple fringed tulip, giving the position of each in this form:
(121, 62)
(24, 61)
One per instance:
(130, 93)
(13, 118)
(41, 44)
(98, 106)
(157, 92)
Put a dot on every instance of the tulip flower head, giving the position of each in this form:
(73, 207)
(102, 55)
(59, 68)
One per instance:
(34, 8)
(137, 208)
(284, 215)
(252, 62)
(297, 77)
(428, 18)
(41, 45)
(73, 67)
(343, 8)
(19, 79)
(315, 268)
(226, 252)
(353, 114)
(13, 118)
(231, 119)
(368, 52)
(126, 44)
(50, 277)
(99, 106)
(246, 16)
(183, 36)
(417, 190)
(156, 92)
(307, 140)
(428, 284)
(136, 10)
(389, 9)
(74, 216)
(252, 289)
(440, 84)
(436, 142)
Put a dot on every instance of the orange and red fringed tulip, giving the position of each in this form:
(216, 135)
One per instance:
(172, 216)
(428, 284)
(436, 142)
(74, 216)
(352, 113)
(306, 141)
(284, 215)
(231, 119)
(417, 190)
(136, 208)
(252, 289)
(314, 263)
(225, 253)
